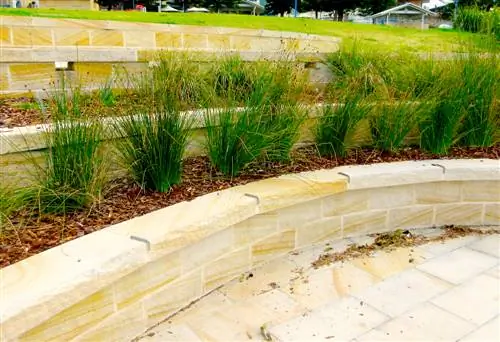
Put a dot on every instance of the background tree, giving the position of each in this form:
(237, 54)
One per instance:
(279, 6)
(108, 4)
(316, 6)
(341, 6)
(369, 7)
(217, 5)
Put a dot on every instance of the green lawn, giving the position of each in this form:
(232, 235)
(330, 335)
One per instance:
(371, 36)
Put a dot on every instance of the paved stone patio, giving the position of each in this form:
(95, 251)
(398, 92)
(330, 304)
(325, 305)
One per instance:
(440, 291)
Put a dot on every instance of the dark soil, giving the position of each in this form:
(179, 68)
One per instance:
(27, 235)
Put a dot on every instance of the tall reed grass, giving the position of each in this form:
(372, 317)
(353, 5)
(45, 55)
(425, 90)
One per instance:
(153, 147)
(480, 77)
(74, 174)
(390, 124)
(473, 19)
(267, 127)
(338, 123)
(232, 78)
(177, 75)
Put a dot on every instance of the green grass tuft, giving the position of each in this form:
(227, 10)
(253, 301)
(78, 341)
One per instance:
(390, 124)
(154, 146)
(75, 172)
(338, 123)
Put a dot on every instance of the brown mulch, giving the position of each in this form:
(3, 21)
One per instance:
(27, 235)
(18, 112)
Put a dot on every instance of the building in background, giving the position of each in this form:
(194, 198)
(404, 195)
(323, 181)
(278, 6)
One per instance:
(405, 15)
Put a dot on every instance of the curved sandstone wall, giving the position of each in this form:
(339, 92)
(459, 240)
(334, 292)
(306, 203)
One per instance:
(115, 283)
(99, 49)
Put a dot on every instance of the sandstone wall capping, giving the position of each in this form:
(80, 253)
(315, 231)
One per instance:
(31, 41)
(115, 283)
(30, 138)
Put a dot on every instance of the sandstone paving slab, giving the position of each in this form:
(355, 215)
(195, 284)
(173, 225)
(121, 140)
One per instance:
(179, 332)
(384, 264)
(276, 274)
(426, 322)
(459, 265)
(213, 302)
(488, 332)
(478, 299)
(403, 291)
(442, 247)
(341, 320)
(245, 319)
(494, 271)
(489, 244)
(304, 258)
(370, 298)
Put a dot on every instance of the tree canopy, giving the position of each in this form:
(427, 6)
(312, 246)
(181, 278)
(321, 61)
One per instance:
(339, 6)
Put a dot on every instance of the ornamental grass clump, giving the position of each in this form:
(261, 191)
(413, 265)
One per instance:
(232, 78)
(338, 123)
(391, 122)
(443, 112)
(479, 75)
(72, 173)
(73, 176)
(265, 129)
(153, 147)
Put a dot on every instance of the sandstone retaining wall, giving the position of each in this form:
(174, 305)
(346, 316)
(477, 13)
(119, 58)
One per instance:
(113, 284)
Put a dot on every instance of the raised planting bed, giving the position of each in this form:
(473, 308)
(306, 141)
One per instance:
(27, 233)
(95, 170)
(117, 282)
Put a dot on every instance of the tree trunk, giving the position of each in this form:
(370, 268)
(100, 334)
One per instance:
(316, 13)
(340, 14)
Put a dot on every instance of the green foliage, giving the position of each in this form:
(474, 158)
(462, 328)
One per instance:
(66, 102)
(74, 175)
(439, 128)
(106, 94)
(473, 19)
(232, 78)
(390, 124)
(235, 139)
(282, 129)
(267, 127)
(175, 80)
(337, 124)
(369, 7)
(479, 76)
(368, 69)
(154, 146)
(9, 202)
(462, 108)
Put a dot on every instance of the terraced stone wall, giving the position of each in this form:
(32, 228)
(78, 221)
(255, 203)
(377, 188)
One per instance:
(115, 283)
(97, 50)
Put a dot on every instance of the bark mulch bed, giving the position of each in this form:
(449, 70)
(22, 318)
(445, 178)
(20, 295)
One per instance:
(28, 235)
(18, 112)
